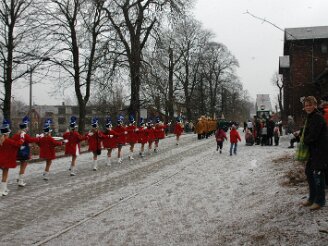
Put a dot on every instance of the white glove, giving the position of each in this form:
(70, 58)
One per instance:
(22, 147)
(22, 135)
(136, 130)
(90, 134)
(125, 132)
(65, 140)
(145, 128)
(111, 136)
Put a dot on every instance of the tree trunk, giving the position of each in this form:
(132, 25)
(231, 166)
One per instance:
(170, 96)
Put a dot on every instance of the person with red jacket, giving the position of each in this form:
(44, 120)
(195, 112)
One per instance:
(142, 136)
(109, 142)
(234, 138)
(95, 138)
(72, 139)
(47, 146)
(132, 136)
(220, 135)
(178, 129)
(159, 132)
(121, 138)
(24, 153)
(8, 153)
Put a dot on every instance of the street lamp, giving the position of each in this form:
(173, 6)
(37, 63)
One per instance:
(30, 71)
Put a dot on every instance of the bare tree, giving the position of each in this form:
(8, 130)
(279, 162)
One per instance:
(134, 20)
(277, 80)
(16, 28)
(76, 28)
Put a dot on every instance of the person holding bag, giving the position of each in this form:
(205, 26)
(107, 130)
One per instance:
(316, 138)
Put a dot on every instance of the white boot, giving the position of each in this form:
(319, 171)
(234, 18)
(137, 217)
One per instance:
(21, 182)
(3, 189)
(73, 171)
(45, 175)
(109, 163)
(95, 165)
(120, 160)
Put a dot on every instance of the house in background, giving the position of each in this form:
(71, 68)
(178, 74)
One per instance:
(304, 68)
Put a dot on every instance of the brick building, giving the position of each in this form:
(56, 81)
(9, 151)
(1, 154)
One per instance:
(304, 68)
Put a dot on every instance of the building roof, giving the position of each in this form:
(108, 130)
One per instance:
(303, 33)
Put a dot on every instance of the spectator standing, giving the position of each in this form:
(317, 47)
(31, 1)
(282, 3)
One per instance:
(316, 138)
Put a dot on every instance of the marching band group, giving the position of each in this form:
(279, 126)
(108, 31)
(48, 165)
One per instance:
(16, 149)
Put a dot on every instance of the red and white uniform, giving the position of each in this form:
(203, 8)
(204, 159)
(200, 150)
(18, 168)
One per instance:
(47, 147)
(132, 136)
(121, 139)
(151, 134)
(27, 140)
(110, 142)
(160, 131)
(72, 147)
(142, 135)
(8, 152)
(178, 129)
(95, 140)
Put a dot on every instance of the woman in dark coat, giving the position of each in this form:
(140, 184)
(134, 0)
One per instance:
(316, 137)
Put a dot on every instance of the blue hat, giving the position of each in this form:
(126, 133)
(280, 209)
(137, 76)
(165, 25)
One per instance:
(131, 119)
(72, 123)
(108, 122)
(157, 120)
(5, 127)
(142, 121)
(24, 123)
(149, 122)
(120, 119)
(47, 125)
(94, 122)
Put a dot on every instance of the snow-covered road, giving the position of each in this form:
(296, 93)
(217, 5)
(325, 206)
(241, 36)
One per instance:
(183, 195)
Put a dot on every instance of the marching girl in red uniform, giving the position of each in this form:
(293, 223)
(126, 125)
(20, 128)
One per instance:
(47, 148)
(132, 137)
(110, 142)
(151, 135)
(24, 153)
(159, 132)
(72, 147)
(178, 129)
(94, 138)
(8, 152)
(142, 137)
(121, 138)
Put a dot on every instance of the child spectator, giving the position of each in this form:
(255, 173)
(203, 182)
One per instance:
(234, 138)
(249, 137)
(220, 135)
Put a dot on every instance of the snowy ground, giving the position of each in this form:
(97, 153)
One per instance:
(183, 195)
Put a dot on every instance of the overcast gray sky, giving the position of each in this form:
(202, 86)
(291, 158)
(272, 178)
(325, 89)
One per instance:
(256, 44)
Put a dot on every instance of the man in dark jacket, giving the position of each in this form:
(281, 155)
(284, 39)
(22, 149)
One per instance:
(316, 137)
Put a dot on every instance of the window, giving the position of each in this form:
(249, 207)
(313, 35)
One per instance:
(61, 110)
